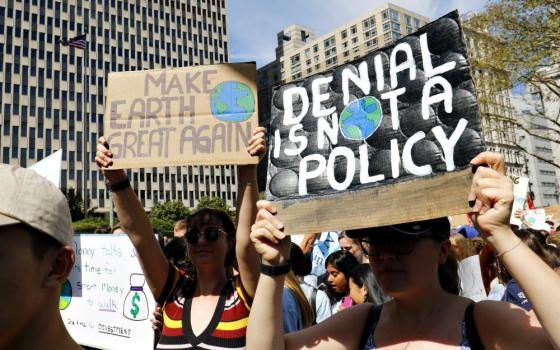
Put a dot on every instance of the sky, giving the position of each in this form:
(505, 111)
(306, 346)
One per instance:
(253, 24)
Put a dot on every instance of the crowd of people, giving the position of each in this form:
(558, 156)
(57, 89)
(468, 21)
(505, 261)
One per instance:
(226, 285)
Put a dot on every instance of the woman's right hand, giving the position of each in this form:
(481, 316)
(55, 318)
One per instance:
(104, 159)
(268, 237)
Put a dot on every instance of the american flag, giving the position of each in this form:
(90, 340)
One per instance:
(78, 42)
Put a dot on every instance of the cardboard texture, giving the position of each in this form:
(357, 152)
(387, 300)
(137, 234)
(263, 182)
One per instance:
(346, 143)
(201, 115)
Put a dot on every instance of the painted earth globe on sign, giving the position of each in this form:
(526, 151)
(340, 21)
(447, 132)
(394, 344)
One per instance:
(360, 118)
(65, 295)
(232, 101)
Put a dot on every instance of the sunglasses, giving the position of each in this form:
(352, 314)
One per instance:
(398, 245)
(211, 234)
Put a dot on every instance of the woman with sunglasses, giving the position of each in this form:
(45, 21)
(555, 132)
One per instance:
(405, 260)
(206, 310)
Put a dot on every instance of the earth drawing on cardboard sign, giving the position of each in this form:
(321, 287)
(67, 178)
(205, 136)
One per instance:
(232, 101)
(360, 118)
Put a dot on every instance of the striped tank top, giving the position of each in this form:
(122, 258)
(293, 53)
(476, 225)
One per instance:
(227, 327)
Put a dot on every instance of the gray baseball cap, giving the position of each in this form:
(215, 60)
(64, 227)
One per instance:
(28, 198)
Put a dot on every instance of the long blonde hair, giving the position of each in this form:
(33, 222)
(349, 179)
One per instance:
(307, 312)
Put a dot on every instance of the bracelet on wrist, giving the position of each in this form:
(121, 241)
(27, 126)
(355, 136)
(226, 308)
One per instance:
(119, 185)
(276, 270)
(510, 249)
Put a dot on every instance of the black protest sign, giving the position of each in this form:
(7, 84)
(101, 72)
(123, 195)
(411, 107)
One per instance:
(201, 115)
(345, 142)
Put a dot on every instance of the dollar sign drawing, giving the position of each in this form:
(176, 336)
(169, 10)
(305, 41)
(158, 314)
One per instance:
(135, 309)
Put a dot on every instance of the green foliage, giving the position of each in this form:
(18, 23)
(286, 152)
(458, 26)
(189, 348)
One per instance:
(162, 225)
(213, 202)
(76, 204)
(521, 37)
(90, 224)
(170, 211)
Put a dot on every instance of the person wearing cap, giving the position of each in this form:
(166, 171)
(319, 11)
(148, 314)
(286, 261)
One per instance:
(405, 259)
(36, 258)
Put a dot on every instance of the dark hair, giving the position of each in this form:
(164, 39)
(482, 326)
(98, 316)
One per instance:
(41, 242)
(301, 263)
(176, 252)
(344, 262)
(363, 276)
(225, 220)
(448, 275)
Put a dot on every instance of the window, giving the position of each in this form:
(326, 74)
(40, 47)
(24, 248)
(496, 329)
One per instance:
(353, 30)
(329, 42)
(547, 172)
(417, 23)
(307, 53)
(331, 61)
(330, 52)
(295, 59)
(385, 15)
(354, 40)
(548, 184)
(344, 34)
(394, 15)
(372, 42)
(315, 48)
(408, 20)
(369, 22)
(386, 26)
(396, 26)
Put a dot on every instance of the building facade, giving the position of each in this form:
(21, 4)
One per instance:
(300, 53)
(537, 111)
(493, 91)
(52, 96)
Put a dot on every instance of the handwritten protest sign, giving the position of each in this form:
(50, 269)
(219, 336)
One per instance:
(381, 140)
(520, 186)
(105, 303)
(201, 115)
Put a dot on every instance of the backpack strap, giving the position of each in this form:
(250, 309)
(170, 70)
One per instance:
(314, 301)
(471, 332)
(370, 324)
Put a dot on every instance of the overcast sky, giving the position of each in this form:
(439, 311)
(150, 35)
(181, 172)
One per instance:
(253, 24)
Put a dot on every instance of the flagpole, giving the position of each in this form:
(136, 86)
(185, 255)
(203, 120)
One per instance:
(85, 129)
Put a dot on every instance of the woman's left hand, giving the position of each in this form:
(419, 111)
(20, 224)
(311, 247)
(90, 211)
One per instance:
(493, 194)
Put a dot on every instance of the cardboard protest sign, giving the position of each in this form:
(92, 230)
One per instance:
(201, 115)
(106, 303)
(520, 186)
(381, 140)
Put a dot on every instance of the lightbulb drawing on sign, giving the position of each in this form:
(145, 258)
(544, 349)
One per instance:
(135, 306)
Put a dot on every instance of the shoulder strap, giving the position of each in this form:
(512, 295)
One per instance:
(471, 331)
(314, 299)
(370, 324)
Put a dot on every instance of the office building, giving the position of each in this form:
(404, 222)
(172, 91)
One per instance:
(300, 53)
(43, 85)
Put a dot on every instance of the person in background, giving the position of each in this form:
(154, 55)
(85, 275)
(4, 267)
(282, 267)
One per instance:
(406, 259)
(204, 310)
(318, 299)
(363, 286)
(36, 258)
(117, 229)
(320, 250)
(461, 246)
(353, 246)
(338, 266)
(180, 228)
(297, 313)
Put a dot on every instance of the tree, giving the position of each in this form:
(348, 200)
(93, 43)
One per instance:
(75, 203)
(523, 39)
(215, 203)
(170, 211)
